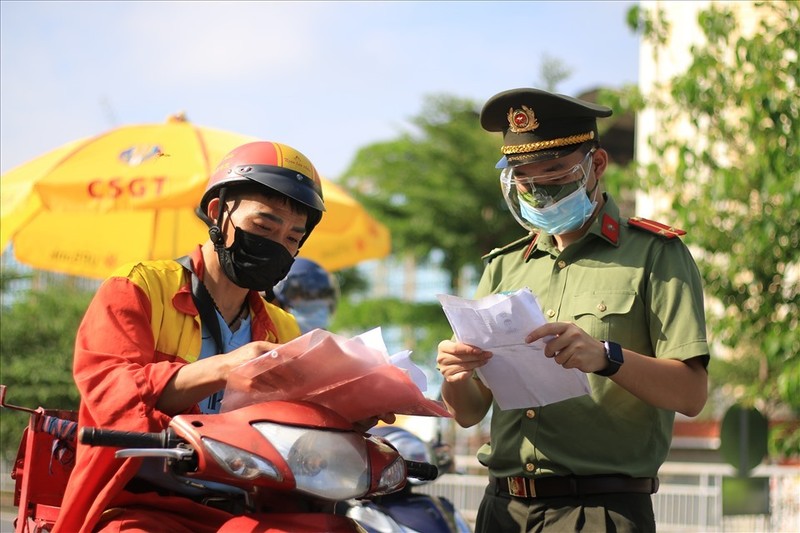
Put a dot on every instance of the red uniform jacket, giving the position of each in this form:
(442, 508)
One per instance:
(141, 327)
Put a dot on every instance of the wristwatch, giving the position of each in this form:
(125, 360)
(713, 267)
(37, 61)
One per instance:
(615, 359)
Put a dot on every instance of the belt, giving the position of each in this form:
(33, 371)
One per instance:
(560, 486)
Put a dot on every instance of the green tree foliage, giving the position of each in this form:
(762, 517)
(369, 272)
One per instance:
(37, 335)
(436, 187)
(737, 189)
(8, 277)
(553, 71)
(351, 282)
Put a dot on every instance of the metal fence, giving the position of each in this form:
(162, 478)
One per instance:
(689, 498)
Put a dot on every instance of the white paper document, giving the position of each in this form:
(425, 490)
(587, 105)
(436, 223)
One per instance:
(518, 374)
(374, 339)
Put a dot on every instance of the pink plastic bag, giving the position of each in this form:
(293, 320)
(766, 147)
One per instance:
(349, 376)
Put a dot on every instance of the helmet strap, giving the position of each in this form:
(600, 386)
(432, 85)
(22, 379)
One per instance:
(215, 231)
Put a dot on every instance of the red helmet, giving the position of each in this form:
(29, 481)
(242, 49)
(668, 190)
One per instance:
(274, 165)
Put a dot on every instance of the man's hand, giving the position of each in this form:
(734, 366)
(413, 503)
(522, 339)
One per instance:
(243, 354)
(193, 382)
(466, 398)
(571, 347)
(240, 356)
(456, 360)
(362, 426)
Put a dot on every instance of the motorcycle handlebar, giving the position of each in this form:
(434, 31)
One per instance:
(127, 439)
(423, 471)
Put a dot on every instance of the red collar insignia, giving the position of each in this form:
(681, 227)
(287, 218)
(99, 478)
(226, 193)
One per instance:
(610, 228)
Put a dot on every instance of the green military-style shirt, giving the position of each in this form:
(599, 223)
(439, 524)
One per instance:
(619, 283)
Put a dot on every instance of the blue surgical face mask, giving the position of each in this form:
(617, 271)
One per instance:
(311, 314)
(568, 214)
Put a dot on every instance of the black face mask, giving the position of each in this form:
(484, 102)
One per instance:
(253, 262)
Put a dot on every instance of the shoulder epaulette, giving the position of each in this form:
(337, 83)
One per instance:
(663, 230)
(508, 247)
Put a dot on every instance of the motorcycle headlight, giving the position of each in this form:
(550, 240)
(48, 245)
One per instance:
(239, 462)
(326, 464)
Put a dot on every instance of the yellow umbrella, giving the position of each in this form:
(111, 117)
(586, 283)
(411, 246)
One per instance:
(129, 194)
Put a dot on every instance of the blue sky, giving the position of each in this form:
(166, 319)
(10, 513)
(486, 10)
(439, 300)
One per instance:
(324, 77)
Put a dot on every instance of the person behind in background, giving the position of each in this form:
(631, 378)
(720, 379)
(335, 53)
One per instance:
(309, 293)
(625, 305)
(161, 337)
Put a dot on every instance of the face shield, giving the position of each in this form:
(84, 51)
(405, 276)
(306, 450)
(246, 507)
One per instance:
(312, 314)
(532, 194)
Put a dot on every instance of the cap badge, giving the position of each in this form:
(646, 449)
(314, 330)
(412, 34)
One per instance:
(522, 120)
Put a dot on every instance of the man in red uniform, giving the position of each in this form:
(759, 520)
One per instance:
(146, 351)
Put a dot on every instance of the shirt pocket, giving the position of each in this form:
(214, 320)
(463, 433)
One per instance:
(605, 315)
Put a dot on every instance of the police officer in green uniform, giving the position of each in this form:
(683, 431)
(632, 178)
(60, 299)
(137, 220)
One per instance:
(624, 301)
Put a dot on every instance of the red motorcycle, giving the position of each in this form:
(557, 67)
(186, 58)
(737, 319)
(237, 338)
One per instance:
(286, 462)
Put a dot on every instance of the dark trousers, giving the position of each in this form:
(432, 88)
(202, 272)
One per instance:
(609, 513)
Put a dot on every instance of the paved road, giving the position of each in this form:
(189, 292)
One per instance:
(7, 521)
(7, 510)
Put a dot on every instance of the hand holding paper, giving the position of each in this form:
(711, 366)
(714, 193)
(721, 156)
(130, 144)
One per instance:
(519, 374)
